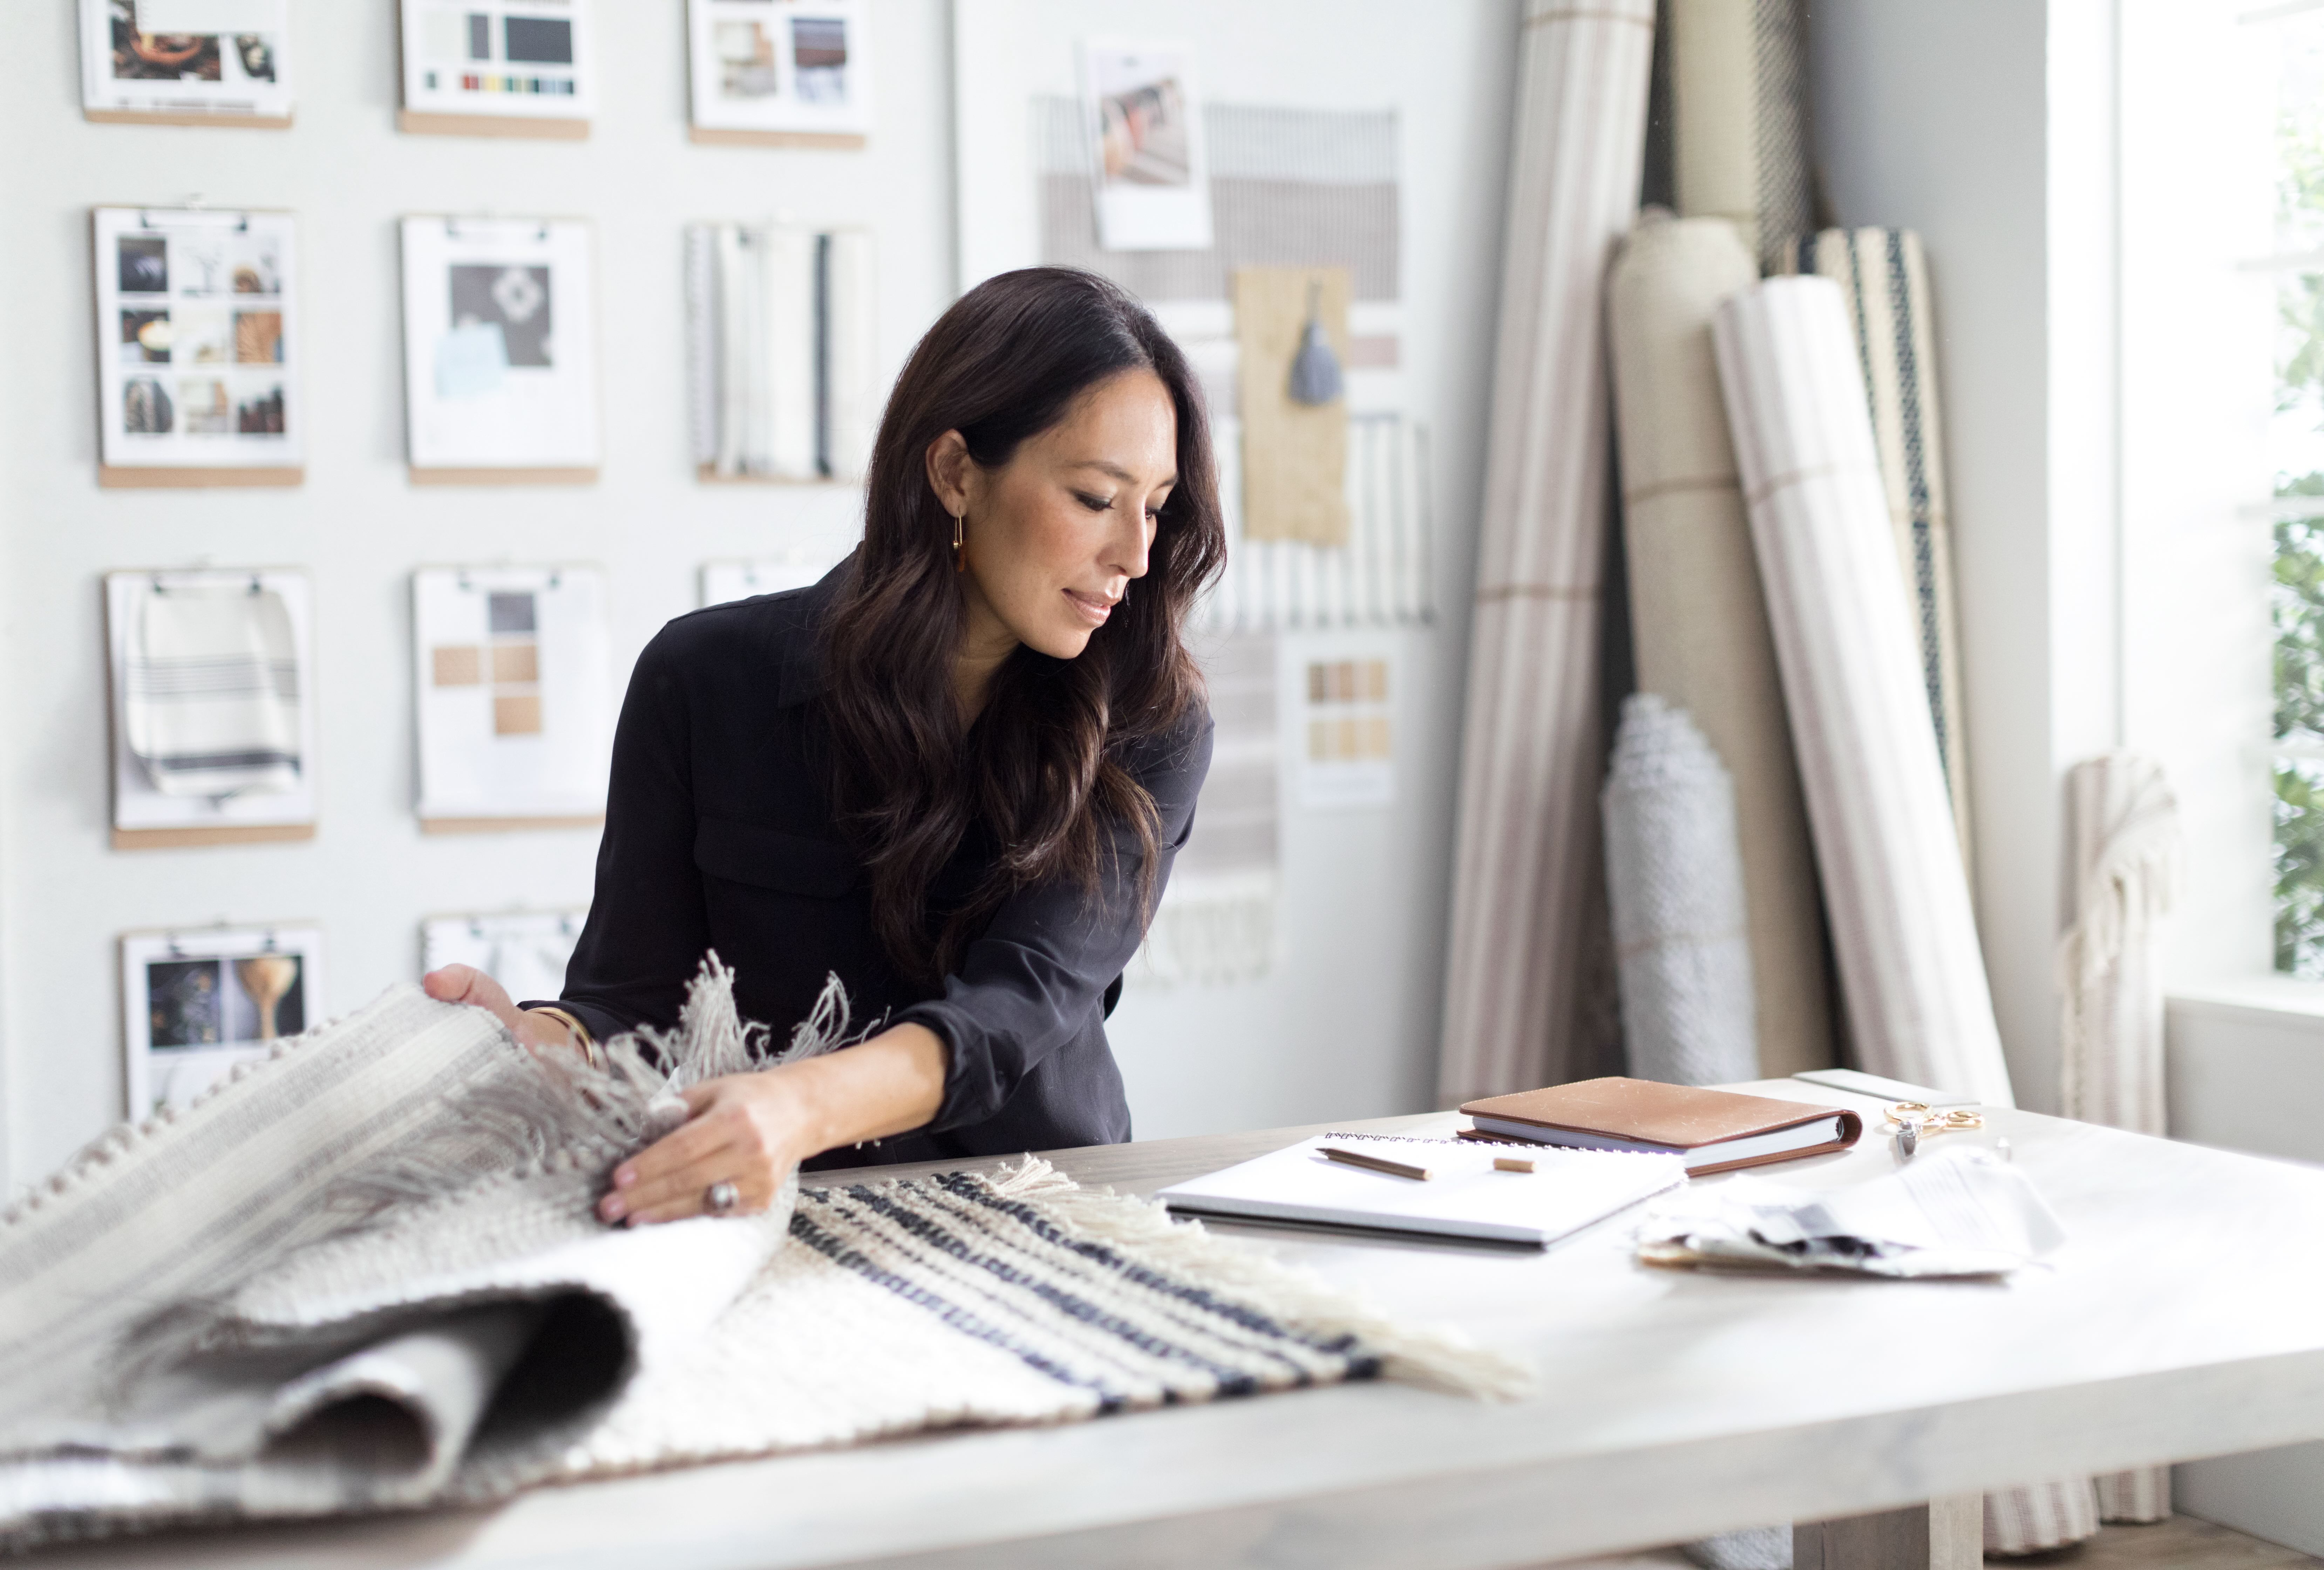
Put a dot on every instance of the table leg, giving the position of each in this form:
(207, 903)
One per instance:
(1944, 1534)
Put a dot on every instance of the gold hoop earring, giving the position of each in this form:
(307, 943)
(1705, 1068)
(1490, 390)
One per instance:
(960, 542)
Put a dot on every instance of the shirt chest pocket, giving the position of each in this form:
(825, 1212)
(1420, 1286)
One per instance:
(769, 859)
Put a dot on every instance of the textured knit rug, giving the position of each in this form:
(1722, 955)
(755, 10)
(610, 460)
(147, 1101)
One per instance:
(363, 1274)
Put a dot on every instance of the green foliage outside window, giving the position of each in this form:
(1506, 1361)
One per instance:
(2299, 591)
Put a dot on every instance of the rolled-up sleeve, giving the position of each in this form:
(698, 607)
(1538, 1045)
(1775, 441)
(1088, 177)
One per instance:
(648, 928)
(1036, 977)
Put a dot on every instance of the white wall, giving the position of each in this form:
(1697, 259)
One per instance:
(369, 875)
(1345, 1028)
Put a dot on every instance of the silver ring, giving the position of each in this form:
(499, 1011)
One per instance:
(720, 1198)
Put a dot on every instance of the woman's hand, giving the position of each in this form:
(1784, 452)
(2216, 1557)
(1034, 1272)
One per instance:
(466, 984)
(752, 1129)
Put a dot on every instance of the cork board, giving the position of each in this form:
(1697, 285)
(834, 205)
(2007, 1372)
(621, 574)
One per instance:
(1295, 457)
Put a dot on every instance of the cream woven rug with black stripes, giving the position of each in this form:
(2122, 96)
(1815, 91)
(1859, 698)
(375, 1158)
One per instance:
(363, 1274)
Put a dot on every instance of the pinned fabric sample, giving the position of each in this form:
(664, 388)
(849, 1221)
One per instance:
(1382, 577)
(1674, 883)
(442, 1239)
(1295, 449)
(1919, 1008)
(1740, 117)
(1698, 619)
(212, 689)
(1887, 282)
(1216, 922)
(1526, 865)
(514, 701)
(784, 351)
(213, 706)
(2124, 823)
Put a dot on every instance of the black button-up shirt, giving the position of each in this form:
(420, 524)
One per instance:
(719, 836)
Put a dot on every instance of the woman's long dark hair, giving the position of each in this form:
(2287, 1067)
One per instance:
(1040, 770)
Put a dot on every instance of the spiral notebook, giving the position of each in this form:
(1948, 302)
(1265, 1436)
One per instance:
(1468, 1194)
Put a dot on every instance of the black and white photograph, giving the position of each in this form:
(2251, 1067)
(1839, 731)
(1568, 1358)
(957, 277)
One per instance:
(144, 264)
(185, 61)
(514, 299)
(197, 1003)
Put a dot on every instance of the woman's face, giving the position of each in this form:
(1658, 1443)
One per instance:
(1055, 534)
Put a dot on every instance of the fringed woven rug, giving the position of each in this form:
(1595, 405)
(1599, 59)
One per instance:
(365, 1274)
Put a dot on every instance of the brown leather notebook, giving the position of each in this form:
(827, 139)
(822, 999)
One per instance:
(1717, 1131)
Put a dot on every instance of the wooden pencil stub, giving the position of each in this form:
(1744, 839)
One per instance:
(1513, 1163)
(1377, 1164)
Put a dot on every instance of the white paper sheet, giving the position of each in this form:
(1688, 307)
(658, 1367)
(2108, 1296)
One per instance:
(757, 66)
(187, 57)
(520, 59)
(1144, 125)
(191, 1013)
(526, 952)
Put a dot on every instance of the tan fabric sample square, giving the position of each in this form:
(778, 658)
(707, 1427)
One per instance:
(458, 666)
(515, 664)
(517, 714)
(1295, 457)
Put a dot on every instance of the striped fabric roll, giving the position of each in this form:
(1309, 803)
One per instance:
(784, 375)
(1525, 869)
(2124, 825)
(210, 693)
(1886, 283)
(1698, 619)
(1738, 92)
(1918, 1006)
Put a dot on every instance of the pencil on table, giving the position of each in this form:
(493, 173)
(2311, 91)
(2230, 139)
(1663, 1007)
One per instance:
(1377, 1165)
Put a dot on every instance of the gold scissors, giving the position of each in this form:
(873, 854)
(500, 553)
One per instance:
(1912, 1120)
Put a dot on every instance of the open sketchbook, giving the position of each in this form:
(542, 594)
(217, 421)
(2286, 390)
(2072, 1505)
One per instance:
(1466, 1195)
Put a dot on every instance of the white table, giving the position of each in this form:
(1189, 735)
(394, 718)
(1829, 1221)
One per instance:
(2183, 1317)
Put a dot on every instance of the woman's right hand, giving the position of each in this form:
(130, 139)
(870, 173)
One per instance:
(466, 984)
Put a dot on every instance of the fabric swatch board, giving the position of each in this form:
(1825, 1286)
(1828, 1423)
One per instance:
(1527, 873)
(199, 372)
(1884, 279)
(213, 706)
(1698, 615)
(1738, 106)
(1315, 193)
(1217, 919)
(499, 350)
(501, 68)
(513, 679)
(452, 1260)
(783, 352)
(1904, 934)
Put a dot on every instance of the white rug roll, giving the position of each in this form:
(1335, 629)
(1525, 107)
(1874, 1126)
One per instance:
(1698, 619)
(2124, 823)
(1910, 971)
(1886, 285)
(1674, 884)
(1738, 88)
(1526, 865)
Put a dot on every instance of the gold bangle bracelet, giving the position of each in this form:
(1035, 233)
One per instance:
(580, 1031)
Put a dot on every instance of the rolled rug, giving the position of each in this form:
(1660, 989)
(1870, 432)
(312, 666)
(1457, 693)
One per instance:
(1525, 863)
(1738, 92)
(1674, 883)
(1913, 976)
(1886, 284)
(1698, 619)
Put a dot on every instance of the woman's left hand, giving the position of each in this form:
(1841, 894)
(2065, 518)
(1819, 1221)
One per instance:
(749, 1130)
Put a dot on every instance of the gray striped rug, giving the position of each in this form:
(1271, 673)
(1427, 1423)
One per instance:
(199, 1313)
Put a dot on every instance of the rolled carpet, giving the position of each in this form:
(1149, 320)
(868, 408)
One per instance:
(1526, 865)
(1738, 93)
(1911, 972)
(1886, 287)
(1674, 883)
(1698, 619)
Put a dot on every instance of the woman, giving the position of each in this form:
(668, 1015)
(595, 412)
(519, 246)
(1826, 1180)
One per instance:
(953, 774)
